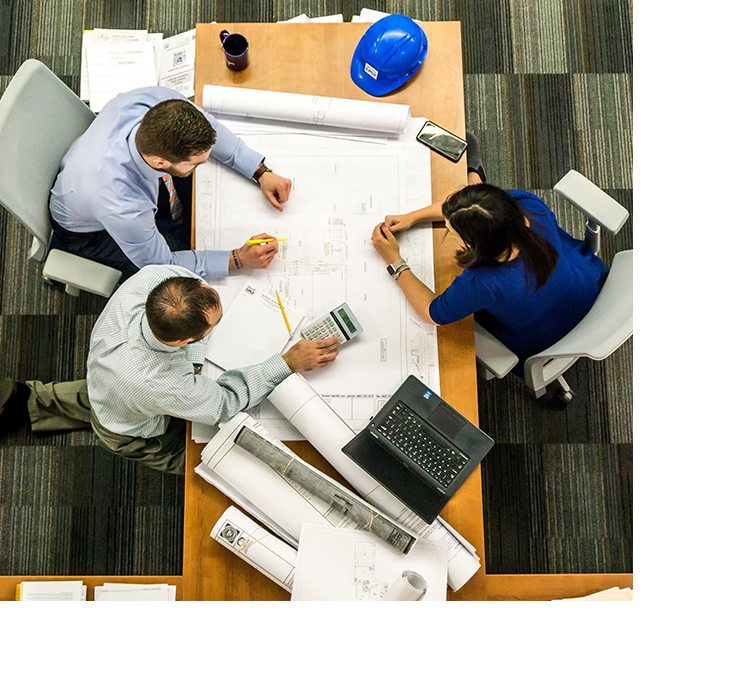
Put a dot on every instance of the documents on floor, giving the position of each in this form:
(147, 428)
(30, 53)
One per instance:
(115, 61)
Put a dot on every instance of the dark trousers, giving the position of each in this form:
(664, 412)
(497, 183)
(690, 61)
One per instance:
(102, 248)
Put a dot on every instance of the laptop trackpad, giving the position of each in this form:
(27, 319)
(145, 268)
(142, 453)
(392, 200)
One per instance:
(447, 421)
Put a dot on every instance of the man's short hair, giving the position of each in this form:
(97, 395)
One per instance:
(177, 308)
(175, 130)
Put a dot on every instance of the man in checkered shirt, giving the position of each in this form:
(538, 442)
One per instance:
(142, 372)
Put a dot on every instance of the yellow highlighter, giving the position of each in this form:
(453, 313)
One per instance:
(283, 312)
(256, 242)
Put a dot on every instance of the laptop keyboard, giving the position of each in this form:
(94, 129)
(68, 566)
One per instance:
(404, 431)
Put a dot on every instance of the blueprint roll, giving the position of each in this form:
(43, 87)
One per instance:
(322, 427)
(317, 111)
(409, 587)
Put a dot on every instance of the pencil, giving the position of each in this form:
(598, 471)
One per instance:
(283, 312)
(256, 242)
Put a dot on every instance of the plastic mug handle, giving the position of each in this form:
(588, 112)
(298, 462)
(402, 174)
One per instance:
(223, 35)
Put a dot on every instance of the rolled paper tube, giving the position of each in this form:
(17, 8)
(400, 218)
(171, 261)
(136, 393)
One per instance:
(409, 587)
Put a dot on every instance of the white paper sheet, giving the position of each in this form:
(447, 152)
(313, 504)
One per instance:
(350, 566)
(115, 67)
(251, 330)
(176, 68)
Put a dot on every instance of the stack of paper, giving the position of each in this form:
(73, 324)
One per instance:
(614, 594)
(115, 61)
(135, 592)
(366, 16)
(51, 591)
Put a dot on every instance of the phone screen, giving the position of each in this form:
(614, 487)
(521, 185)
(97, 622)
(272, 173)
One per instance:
(442, 141)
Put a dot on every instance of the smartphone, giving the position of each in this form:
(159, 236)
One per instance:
(442, 141)
(340, 323)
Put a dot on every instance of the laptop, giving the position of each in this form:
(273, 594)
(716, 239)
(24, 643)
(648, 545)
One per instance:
(419, 448)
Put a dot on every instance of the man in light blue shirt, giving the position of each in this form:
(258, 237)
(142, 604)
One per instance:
(109, 203)
(142, 382)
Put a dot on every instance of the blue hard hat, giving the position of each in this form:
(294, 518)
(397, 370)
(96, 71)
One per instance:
(388, 54)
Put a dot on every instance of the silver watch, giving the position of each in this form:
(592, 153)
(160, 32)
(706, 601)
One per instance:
(396, 267)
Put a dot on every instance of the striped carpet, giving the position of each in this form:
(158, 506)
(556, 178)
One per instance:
(548, 87)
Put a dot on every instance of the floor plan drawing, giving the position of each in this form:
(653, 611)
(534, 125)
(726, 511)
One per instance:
(368, 589)
(342, 188)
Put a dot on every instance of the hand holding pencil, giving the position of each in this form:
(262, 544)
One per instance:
(257, 252)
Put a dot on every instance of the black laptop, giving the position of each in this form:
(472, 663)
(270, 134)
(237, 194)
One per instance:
(419, 448)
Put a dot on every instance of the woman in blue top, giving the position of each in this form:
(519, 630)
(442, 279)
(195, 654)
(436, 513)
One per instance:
(526, 280)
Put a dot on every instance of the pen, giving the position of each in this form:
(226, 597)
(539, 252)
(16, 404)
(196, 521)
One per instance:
(255, 242)
(283, 312)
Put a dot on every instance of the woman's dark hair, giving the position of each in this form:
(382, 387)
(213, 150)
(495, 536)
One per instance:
(177, 308)
(491, 223)
(174, 130)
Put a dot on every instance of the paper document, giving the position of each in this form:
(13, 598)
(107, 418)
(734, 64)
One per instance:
(135, 592)
(251, 330)
(342, 113)
(117, 68)
(341, 565)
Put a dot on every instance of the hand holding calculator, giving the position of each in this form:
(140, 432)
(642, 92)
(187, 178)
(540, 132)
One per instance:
(339, 322)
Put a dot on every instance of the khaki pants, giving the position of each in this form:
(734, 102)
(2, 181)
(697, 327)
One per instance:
(66, 406)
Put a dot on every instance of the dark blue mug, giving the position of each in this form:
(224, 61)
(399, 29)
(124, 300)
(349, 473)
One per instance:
(235, 47)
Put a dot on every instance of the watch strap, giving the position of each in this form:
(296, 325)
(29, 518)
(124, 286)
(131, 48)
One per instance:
(260, 172)
(393, 267)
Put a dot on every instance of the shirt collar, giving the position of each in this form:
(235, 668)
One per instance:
(151, 340)
(144, 168)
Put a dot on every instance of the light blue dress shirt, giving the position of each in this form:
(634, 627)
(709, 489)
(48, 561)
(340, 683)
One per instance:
(104, 183)
(136, 383)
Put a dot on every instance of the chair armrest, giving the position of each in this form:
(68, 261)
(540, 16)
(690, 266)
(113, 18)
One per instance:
(492, 354)
(81, 273)
(592, 201)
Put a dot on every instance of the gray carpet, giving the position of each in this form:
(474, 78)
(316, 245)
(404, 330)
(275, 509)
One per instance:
(548, 87)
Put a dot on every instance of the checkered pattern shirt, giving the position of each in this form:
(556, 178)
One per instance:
(135, 382)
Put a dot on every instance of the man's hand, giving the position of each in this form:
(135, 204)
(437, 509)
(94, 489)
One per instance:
(307, 354)
(275, 188)
(258, 256)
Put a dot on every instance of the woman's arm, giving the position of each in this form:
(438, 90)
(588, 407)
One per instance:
(398, 223)
(416, 292)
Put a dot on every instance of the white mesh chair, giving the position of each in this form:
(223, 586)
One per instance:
(39, 119)
(603, 329)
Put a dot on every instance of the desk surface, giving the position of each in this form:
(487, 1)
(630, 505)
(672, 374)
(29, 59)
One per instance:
(315, 59)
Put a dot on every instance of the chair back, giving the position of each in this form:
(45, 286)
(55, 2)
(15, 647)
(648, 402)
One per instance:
(40, 117)
(602, 331)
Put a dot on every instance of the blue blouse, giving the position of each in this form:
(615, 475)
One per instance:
(528, 321)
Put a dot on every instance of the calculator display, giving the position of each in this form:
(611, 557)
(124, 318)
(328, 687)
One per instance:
(340, 323)
(346, 321)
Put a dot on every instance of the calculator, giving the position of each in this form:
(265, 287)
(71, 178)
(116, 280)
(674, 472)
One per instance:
(340, 323)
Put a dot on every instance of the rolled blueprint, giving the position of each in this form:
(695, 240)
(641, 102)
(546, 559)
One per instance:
(409, 587)
(341, 113)
(262, 550)
(328, 433)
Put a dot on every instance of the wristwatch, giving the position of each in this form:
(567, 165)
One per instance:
(260, 172)
(396, 269)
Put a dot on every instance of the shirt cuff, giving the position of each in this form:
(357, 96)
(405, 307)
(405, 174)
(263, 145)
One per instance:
(276, 369)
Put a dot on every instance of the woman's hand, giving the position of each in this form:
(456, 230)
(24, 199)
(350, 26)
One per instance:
(397, 223)
(386, 244)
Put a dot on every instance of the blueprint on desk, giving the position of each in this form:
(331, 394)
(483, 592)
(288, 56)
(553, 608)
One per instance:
(343, 186)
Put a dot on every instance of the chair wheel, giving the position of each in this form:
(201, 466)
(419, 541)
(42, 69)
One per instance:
(566, 396)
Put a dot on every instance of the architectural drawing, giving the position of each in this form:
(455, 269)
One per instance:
(368, 589)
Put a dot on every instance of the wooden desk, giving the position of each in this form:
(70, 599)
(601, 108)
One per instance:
(315, 59)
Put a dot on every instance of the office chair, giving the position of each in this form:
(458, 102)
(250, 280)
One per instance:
(603, 329)
(39, 119)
